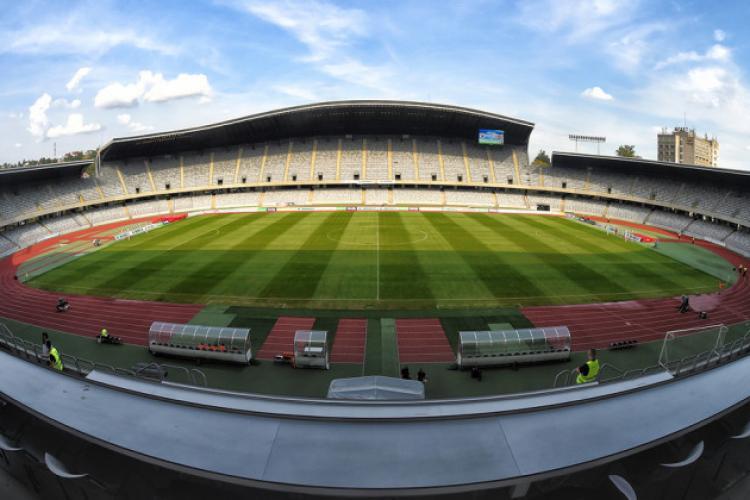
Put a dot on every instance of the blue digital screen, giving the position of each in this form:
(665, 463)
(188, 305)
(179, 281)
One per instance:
(491, 137)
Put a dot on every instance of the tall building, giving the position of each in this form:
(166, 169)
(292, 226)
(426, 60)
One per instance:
(682, 145)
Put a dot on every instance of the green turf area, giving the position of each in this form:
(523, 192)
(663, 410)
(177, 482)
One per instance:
(699, 258)
(406, 260)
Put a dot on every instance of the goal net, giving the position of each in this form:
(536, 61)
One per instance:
(684, 345)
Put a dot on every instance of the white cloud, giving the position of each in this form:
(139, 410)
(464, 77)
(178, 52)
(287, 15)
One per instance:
(327, 31)
(579, 20)
(185, 85)
(117, 95)
(74, 126)
(321, 26)
(298, 91)
(597, 93)
(73, 36)
(716, 52)
(719, 35)
(152, 87)
(64, 103)
(353, 71)
(38, 120)
(126, 119)
(630, 46)
(18, 145)
(77, 77)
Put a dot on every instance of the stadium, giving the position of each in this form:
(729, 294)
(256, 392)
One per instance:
(367, 241)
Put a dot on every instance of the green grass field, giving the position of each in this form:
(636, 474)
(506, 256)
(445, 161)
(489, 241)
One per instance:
(347, 260)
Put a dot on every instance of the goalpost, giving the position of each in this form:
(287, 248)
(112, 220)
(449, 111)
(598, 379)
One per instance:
(689, 343)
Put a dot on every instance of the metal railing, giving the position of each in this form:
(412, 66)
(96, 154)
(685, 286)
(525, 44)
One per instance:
(32, 352)
(701, 361)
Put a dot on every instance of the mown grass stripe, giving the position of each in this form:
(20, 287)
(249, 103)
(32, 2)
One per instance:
(122, 257)
(215, 268)
(498, 274)
(508, 234)
(156, 268)
(401, 273)
(626, 263)
(572, 267)
(299, 277)
(351, 270)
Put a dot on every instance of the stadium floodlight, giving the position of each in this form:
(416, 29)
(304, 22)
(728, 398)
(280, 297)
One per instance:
(588, 138)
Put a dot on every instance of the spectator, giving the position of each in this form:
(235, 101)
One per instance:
(476, 373)
(405, 373)
(588, 371)
(684, 304)
(55, 361)
(422, 376)
(45, 345)
(62, 305)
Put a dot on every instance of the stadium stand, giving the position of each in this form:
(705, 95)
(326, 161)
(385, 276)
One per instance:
(195, 170)
(453, 161)
(428, 162)
(624, 211)
(403, 159)
(469, 198)
(165, 171)
(708, 230)
(377, 159)
(584, 206)
(338, 196)
(351, 159)
(653, 193)
(250, 163)
(376, 196)
(228, 200)
(511, 199)
(417, 197)
(739, 241)
(669, 220)
(286, 197)
(225, 163)
(326, 159)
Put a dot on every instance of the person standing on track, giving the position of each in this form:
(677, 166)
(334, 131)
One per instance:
(589, 370)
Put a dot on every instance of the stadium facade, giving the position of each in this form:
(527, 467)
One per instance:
(670, 434)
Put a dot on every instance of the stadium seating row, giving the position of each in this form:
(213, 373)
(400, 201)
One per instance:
(343, 159)
(24, 235)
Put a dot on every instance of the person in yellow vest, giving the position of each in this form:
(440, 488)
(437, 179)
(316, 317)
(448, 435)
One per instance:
(55, 361)
(590, 370)
(104, 333)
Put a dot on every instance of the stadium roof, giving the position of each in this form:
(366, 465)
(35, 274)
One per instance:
(46, 171)
(650, 167)
(327, 118)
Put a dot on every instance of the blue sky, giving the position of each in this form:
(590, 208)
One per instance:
(76, 74)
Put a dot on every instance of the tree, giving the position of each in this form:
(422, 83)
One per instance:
(626, 150)
(542, 159)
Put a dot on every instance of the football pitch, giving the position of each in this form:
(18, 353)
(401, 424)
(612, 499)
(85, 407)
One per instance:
(371, 260)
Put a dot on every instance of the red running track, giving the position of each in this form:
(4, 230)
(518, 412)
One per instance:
(350, 340)
(127, 319)
(597, 325)
(281, 337)
(423, 341)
